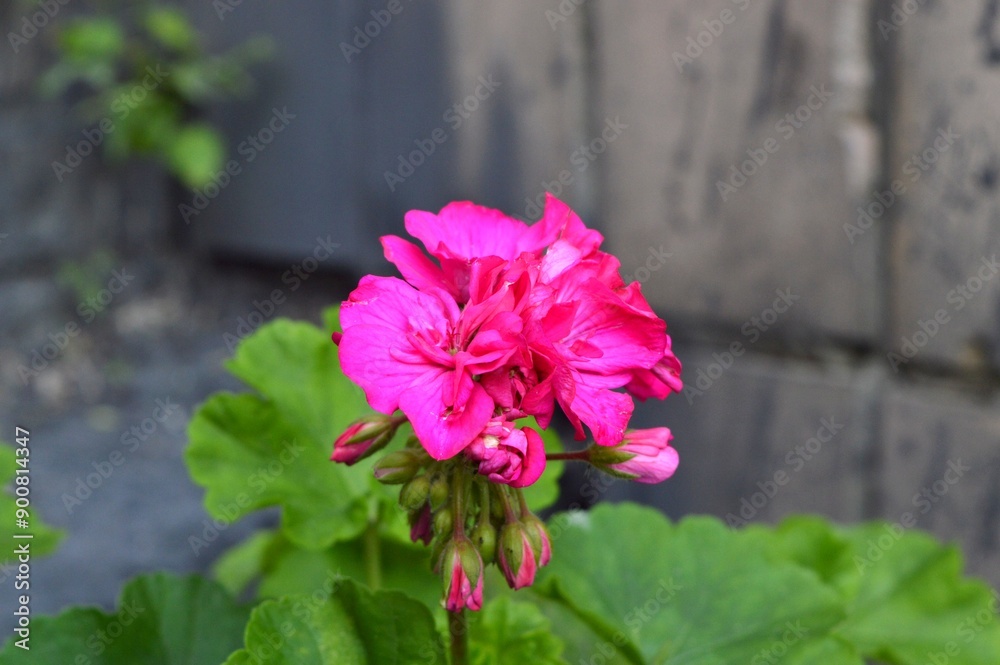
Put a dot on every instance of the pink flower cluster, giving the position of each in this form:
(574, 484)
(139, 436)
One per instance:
(501, 321)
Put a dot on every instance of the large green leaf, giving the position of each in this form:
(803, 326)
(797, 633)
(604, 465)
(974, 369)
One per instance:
(251, 451)
(353, 626)
(907, 600)
(44, 538)
(693, 592)
(507, 632)
(161, 620)
(282, 568)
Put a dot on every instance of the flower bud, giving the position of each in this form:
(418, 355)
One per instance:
(541, 542)
(398, 466)
(516, 556)
(363, 438)
(644, 456)
(462, 569)
(484, 537)
(414, 493)
(443, 521)
(439, 491)
(420, 525)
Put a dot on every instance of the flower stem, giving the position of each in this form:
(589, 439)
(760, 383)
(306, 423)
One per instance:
(373, 556)
(581, 455)
(458, 630)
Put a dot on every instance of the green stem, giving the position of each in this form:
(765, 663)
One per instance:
(373, 556)
(458, 500)
(581, 455)
(458, 630)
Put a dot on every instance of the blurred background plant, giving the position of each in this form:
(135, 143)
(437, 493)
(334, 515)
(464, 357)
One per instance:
(139, 70)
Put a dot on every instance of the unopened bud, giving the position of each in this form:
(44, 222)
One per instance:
(363, 438)
(443, 521)
(516, 556)
(414, 493)
(398, 466)
(462, 569)
(484, 537)
(439, 491)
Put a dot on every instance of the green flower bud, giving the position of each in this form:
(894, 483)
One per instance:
(414, 493)
(439, 491)
(443, 521)
(398, 467)
(484, 537)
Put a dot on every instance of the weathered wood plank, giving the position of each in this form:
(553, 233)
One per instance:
(947, 155)
(706, 89)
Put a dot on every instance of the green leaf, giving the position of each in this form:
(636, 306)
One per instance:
(44, 538)
(196, 154)
(86, 40)
(242, 564)
(506, 632)
(170, 27)
(692, 592)
(288, 569)
(251, 451)
(907, 600)
(161, 620)
(353, 626)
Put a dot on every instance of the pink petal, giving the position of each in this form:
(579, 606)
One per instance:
(533, 463)
(444, 419)
(414, 265)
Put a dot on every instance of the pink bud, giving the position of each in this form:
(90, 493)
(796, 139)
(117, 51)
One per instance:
(420, 525)
(463, 576)
(516, 556)
(362, 438)
(507, 455)
(652, 459)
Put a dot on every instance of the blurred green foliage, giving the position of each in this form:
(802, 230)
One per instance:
(146, 77)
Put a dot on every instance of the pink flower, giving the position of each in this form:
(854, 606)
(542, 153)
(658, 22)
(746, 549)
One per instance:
(659, 381)
(463, 576)
(456, 236)
(416, 351)
(508, 455)
(644, 456)
(516, 556)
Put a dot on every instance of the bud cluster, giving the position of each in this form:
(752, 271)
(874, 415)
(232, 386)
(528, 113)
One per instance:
(468, 521)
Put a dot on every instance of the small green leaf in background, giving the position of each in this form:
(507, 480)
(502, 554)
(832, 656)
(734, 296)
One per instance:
(693, 592)
(171, 28)
(507, 632)
(160, 620)
(907, 600)
(44, 538)
(353, 626)
(196, 154)
(96, 39)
